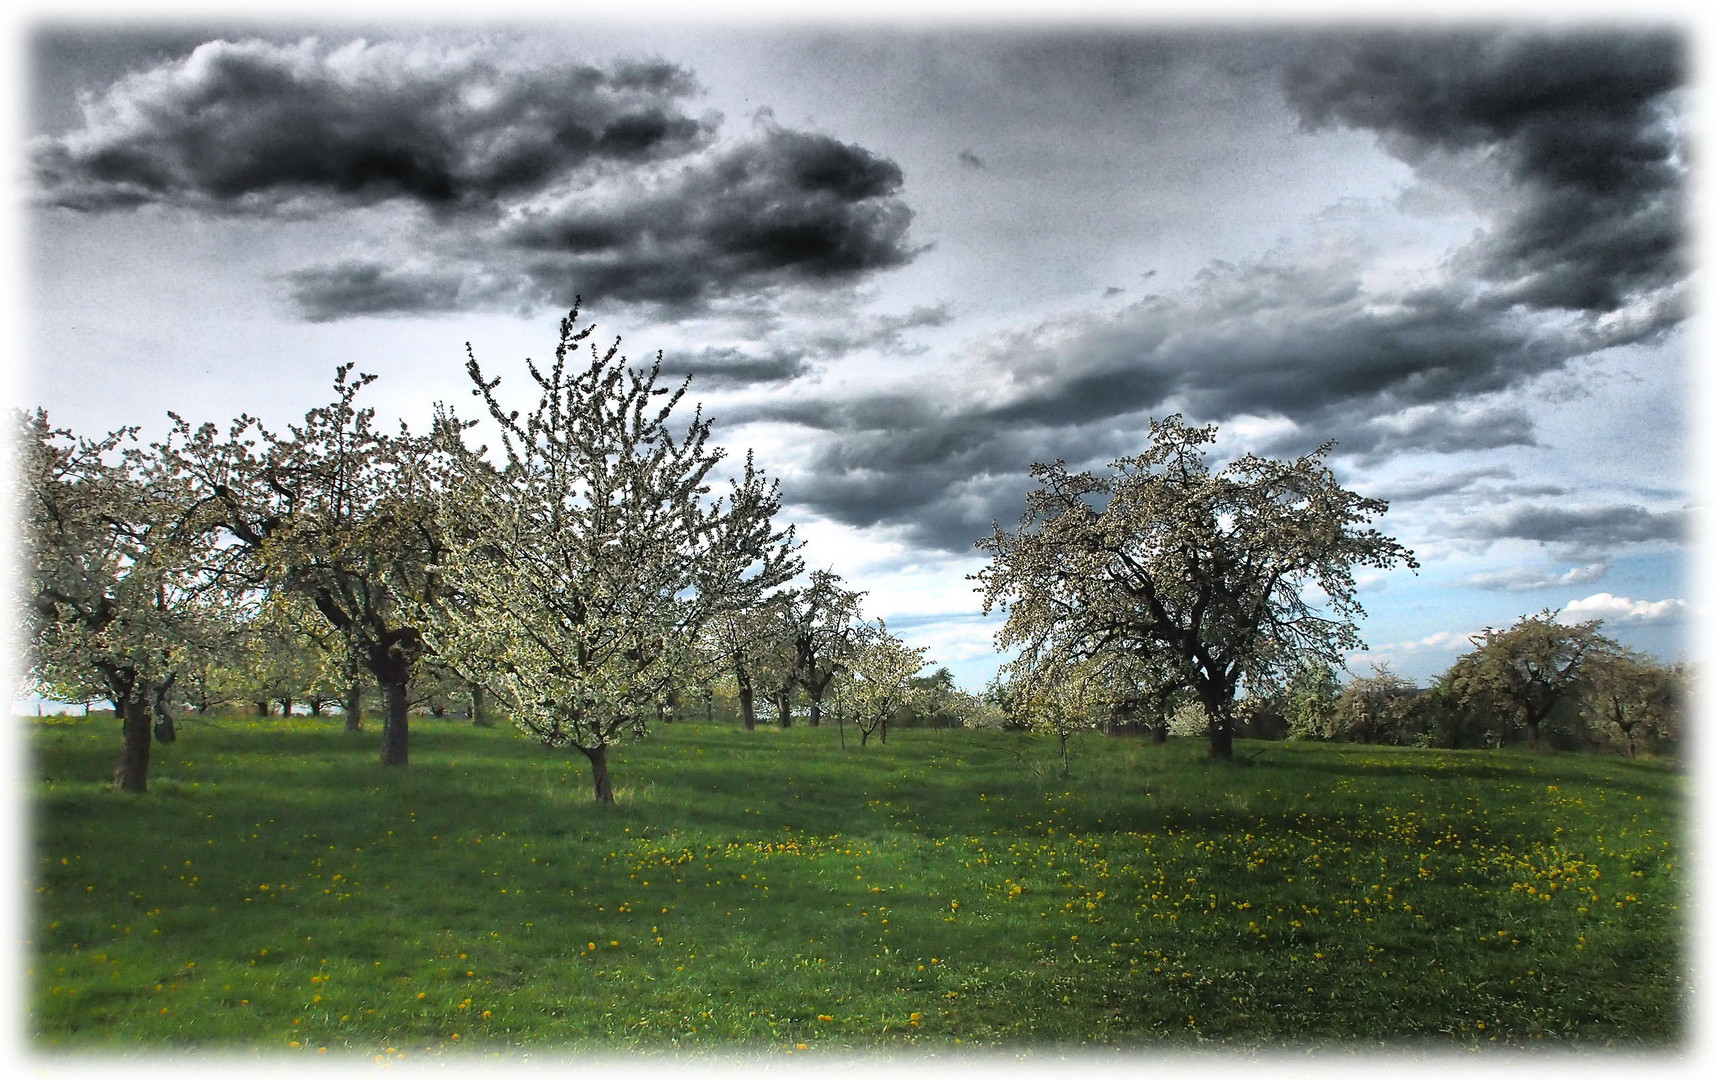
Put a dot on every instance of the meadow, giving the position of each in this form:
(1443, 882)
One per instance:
(771, 892)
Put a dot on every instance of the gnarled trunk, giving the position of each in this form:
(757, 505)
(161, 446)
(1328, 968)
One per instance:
(598, 757)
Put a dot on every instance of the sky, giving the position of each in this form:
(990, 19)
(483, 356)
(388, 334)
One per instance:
(904, 260)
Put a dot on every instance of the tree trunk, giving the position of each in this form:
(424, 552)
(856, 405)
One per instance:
(604, 786)
(815, 718)
(133, 709)
(438, 711)
(747, 715)
(285, 706)
(864, 734)
(1063, 736)
(478, 717)
(882, 730)
(261, 708)
(1221, 738)
(354, 708)
(394, 726)
(784, 708)
(1160, 734)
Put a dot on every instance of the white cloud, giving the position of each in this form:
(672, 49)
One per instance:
(1622, 609)
(1441, 641)
(1517, 578)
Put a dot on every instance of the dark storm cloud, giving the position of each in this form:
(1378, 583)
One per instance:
(779, 208)
(1591, 528)
(542, 183)
(250, 126)
(1583, 125)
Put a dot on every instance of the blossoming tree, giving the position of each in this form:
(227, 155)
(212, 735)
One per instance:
(586, 558)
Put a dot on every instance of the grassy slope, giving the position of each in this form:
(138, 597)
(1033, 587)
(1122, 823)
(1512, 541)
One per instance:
(278, 889)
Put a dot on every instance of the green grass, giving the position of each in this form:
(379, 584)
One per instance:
(767, 891)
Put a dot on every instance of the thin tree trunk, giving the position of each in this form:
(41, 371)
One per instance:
(354, 708)
(815, 717)
(598, 756)
(784, 708)
(478, 717)
(1063, 737)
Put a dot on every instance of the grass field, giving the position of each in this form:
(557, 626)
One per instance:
(768, 891)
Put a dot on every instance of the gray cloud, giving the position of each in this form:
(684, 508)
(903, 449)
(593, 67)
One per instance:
(722, 367)
(1440, 485)
(540, 183)
(1583, 125)
(1599, 528)
(1265, 339)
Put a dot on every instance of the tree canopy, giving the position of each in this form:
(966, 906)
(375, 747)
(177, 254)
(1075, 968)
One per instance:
(1214, 579)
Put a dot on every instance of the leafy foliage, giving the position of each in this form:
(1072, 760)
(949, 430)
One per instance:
(1519, 676)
